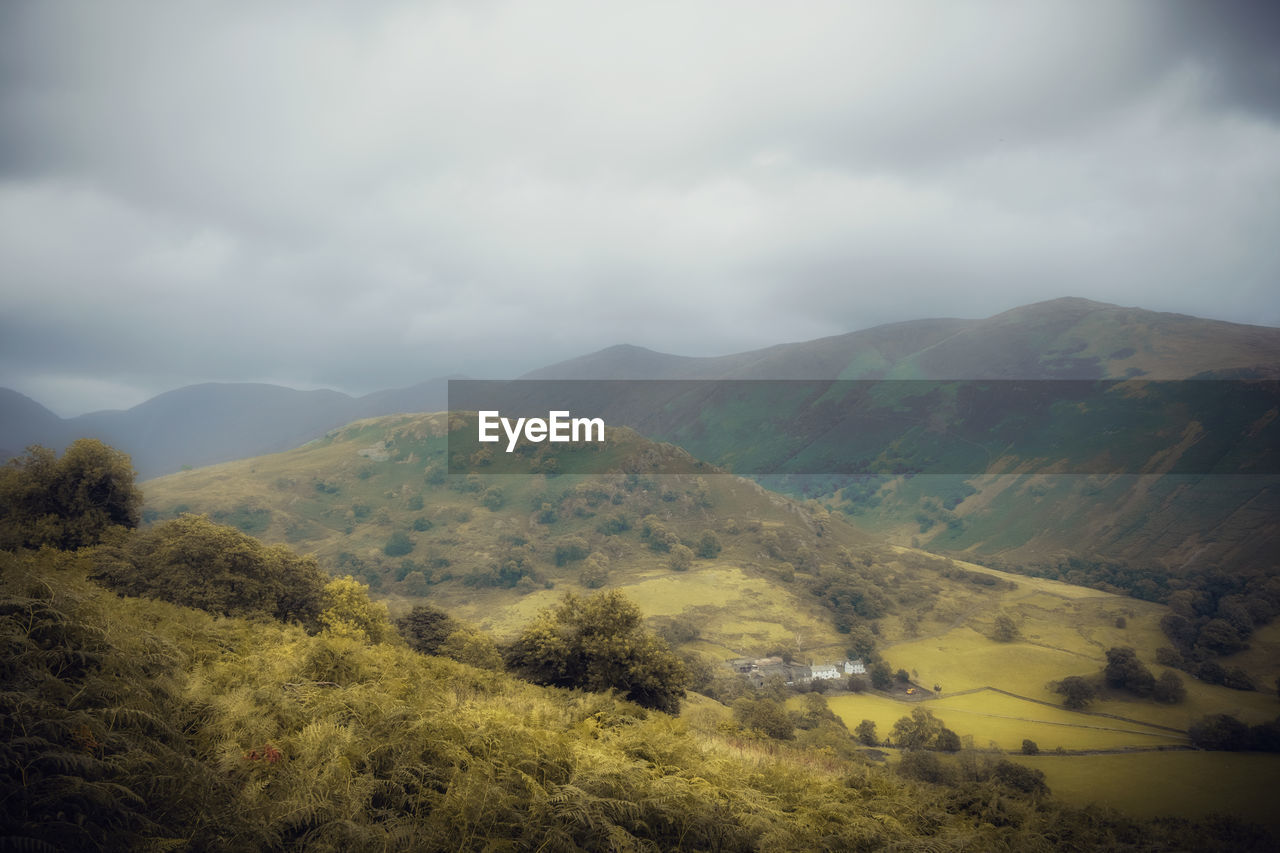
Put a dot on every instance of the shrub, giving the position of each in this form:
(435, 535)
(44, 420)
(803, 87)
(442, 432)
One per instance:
(398, 545)
(600, 643)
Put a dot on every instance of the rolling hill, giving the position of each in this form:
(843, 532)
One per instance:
(785, 577)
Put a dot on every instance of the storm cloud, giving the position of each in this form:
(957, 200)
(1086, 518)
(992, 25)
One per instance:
(362, 196)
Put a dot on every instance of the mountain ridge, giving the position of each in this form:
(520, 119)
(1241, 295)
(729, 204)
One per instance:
(1062, 338)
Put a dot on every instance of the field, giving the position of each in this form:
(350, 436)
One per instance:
(1187, 784)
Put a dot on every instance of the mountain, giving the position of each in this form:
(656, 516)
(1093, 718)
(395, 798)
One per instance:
(1156, 519)
(24, 422)
(1068, 338)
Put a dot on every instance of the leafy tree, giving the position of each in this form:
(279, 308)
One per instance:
(599, 643)
(1077, 692)
(865, 732)
(595, 571)
(193, 562)
(469, 646)
(425, 628)
(1025, 780)
(1219, 731)
(681, 558)
(1220, 637)
(493, 498)
(881, 675)
(902, 676)
(920, 730)
(708, 545)
(765, 715)
(398, 545)
(570, 549)
(1030, 747)
(351, 613)
(1169, 689)
(70, 502)
(947, 741)
(1125, 671)
(1005, 630)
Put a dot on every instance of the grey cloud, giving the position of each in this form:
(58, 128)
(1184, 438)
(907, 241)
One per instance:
(321, 194)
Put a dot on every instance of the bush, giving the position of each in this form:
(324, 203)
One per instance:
(599, 643)
(1076, 691)
(865, 732)
(1169, 689)
(398, 545)
(681, 558)
(196, 563)
(1030, 747)
(708, 545)
(70, 502)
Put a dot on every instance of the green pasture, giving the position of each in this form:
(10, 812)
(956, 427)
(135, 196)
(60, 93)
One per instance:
(1183, 783)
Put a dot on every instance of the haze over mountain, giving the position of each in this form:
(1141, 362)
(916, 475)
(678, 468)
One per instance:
(1058, 339)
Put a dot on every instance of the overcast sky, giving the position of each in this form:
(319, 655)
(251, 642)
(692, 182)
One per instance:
(366, 195)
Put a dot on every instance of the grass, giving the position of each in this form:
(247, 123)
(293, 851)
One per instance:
(1186, 784)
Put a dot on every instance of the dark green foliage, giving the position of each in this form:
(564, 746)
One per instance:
(865, 732)
(425, 628)
(681, 558)
(1219, 731)
(765, 715)
(1076, 691)
(1220, 637)
(1030, 747)
(599, 643)
(614, 524)
(422, 524)
(1169, 689)
(70, 502)
(1005, 629)
(398, 545)
(1126, 672)
(708, 545)
(1025, 780)
(93, 753)
(902, 677)
(570, 549)
(196, 563)
(415, 503)
(493, 498)
(881, 675)
(922, 730)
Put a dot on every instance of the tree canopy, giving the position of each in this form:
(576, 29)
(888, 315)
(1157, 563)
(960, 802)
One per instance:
(600, 643)
(67, 503)
(194, 562)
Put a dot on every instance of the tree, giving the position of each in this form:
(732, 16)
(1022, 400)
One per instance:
(708, 545)
(1125, 671)
(881, 675)
(67, 503)
(1169, 689)
(193, 562)
(1219, 731)
(865, 732)
(600, 643)
(398, 545)
(1077, 692)
(947, 741)
(765, 715)
(1030, 747)
(1005, 629)
(425, 628)
(920, 730)
(681, 558)
(351, 613)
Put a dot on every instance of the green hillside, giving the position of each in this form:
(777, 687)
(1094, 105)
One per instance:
(788, 578)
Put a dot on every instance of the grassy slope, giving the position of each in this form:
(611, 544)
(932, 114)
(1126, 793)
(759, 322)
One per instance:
(937, 628)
